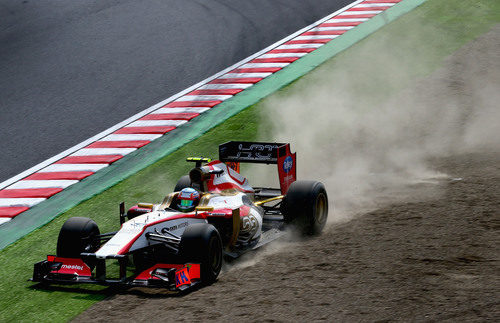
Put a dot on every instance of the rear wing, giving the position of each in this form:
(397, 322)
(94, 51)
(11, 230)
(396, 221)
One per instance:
(234, 152)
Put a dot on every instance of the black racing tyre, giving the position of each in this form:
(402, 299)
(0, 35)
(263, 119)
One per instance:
(183, 182)
(201, 243)
(305, 206)
(77, 235)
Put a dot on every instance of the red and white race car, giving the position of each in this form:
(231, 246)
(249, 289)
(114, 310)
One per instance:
(213, 213)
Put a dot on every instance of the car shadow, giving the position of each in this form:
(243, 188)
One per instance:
(108, 291)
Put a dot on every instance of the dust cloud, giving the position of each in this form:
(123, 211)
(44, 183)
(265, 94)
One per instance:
(369, 148)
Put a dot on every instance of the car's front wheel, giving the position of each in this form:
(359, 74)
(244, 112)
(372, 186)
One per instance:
(201, 243)
(77, 235)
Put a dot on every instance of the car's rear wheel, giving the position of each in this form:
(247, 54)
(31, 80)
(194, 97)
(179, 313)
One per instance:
(77, 235)
(305, 206)
(201, 243)
(183, 182)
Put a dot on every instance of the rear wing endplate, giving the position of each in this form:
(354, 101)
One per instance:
(234, 152)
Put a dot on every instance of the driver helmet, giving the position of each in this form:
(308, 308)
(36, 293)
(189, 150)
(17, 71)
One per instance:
(188, 199)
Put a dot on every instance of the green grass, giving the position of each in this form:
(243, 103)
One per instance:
(439, 27)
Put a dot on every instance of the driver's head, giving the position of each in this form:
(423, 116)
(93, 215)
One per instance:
(188, 199)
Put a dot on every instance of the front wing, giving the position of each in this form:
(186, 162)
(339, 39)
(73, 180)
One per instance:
(59, 270)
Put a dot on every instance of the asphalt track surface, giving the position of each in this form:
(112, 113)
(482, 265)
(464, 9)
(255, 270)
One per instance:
(71, 69)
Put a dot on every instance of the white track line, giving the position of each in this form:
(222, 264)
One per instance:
(316, 37)
(226, 86)
(103, 151)
(73, 168)
(295, 46)
(335, 20)
(373, 12)
(244, 75)
(130, 137)
(28, 202)
(332, 28)
(283, 55)
(204, 98)
(43, 184)
(370, 5)
(180, 110)
(261, 65)
(157, 123)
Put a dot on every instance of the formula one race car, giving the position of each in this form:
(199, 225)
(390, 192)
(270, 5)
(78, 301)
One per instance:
(213, 213)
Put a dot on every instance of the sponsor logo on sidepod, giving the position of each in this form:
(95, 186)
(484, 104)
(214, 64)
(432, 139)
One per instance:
(288, 164)
(72, 267)
(175, 227)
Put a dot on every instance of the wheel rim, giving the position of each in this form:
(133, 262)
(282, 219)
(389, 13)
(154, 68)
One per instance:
(321, 209)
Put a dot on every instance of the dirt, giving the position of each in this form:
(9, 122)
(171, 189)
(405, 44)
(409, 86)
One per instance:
(431, 257)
